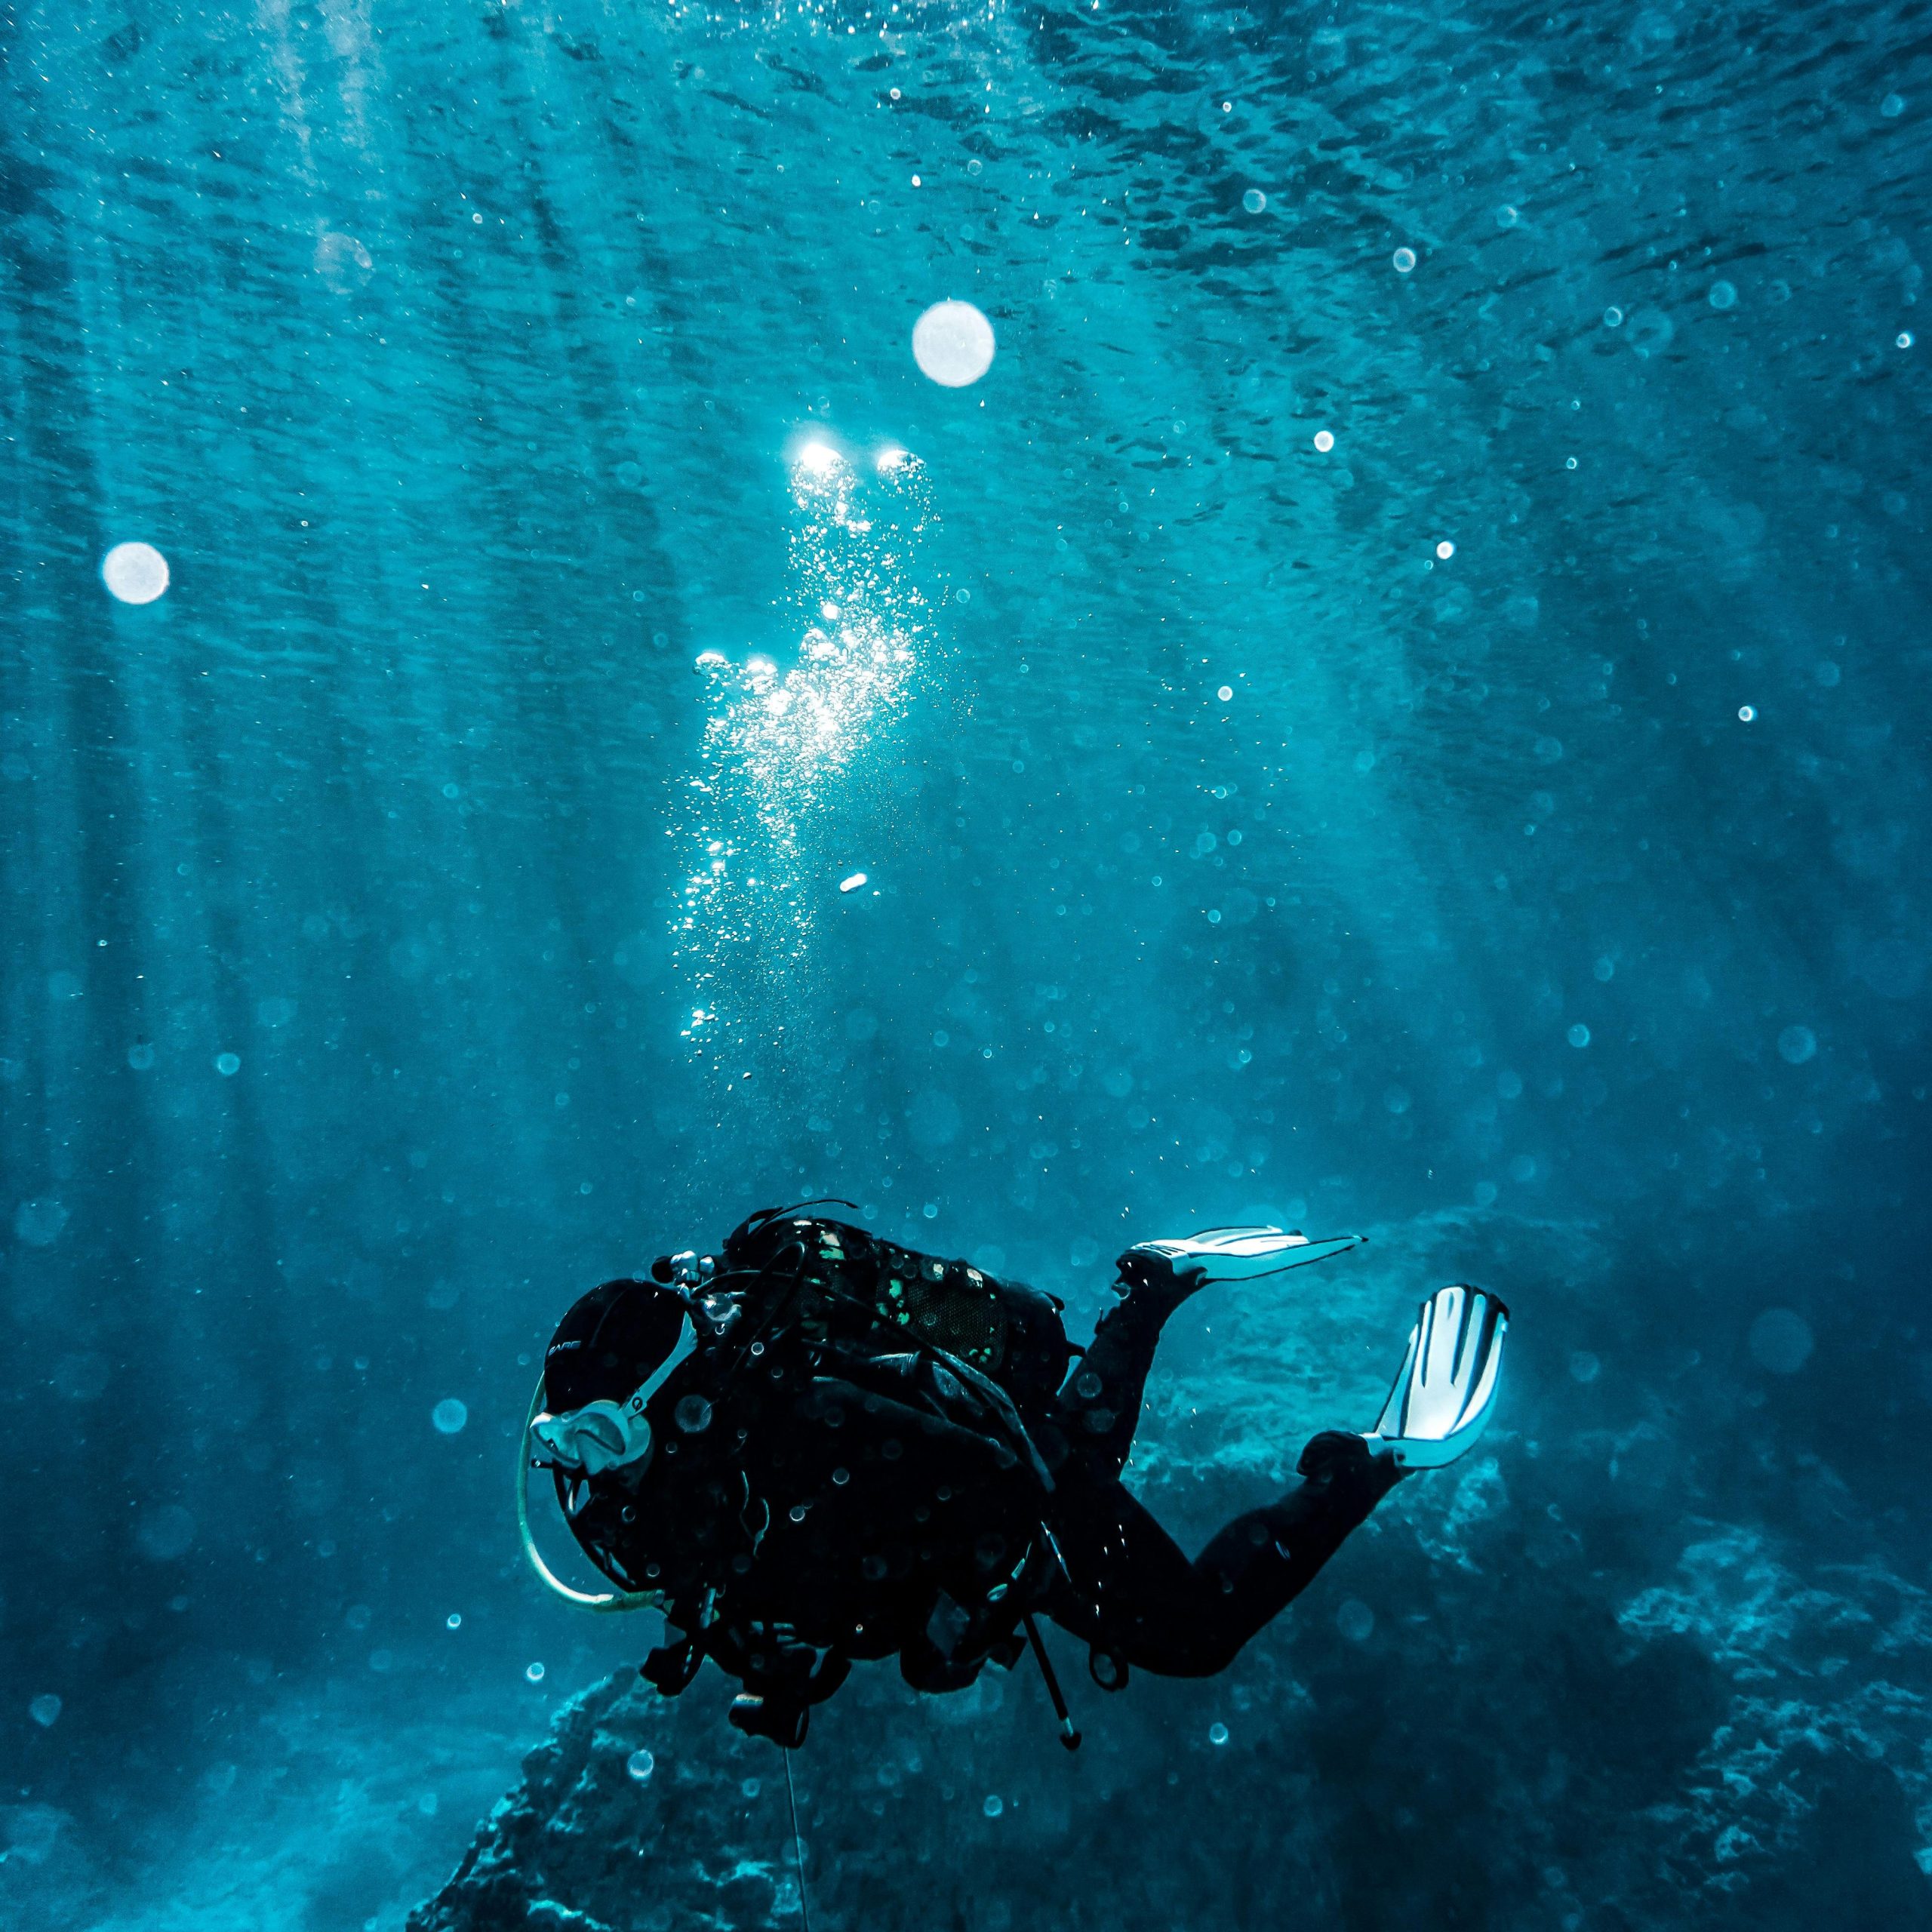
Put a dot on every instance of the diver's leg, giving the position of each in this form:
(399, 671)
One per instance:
(1099, 1404)
(1132, 1592)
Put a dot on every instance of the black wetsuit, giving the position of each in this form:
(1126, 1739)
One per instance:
(894, 1458)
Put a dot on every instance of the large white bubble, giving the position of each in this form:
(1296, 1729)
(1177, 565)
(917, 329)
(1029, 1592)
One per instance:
(135, 572)
(952, 343)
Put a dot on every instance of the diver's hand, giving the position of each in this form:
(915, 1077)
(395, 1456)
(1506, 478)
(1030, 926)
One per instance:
(784, 1723)
(1138, 1268)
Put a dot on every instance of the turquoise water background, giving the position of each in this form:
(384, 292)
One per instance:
(1397, 703)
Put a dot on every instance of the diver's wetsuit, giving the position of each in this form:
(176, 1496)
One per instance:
(1127, 1588)
(856, 1494)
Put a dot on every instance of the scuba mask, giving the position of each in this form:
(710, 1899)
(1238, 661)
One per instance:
(604, 1435)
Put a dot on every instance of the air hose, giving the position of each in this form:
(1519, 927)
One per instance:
(605, 1602)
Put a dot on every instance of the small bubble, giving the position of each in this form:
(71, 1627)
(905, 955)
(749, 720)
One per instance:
(1226, 692)
(1780, 1340)
(853, 883)
(1506, 216)
(1613, 317)
(962, 596)
(228, 1064)
(453, 1621)
(1324, 441)
(1217, 1733)
(1578, 1035)
(1445, 549)
(1569, 462)
(1746, 713)
(1404, 260)
(1254, 201)
(639, 1765)
(1723, 295)
(1904, 338)
(994, 1805)
(751, 1787)
(930, 1210)
(693, 1414)
(44, 1709)
(535, 1672)
(1797, 1044)
(1892, 106)
(1605, 969)
(449, 1417)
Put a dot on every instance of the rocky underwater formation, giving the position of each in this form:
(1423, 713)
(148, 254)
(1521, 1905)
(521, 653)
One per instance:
(1553, 1687)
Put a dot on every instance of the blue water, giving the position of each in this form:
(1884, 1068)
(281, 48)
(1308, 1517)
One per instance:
(1397, 703)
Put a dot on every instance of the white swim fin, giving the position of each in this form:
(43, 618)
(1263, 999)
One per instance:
(1243, 1254)
(1445, 1391)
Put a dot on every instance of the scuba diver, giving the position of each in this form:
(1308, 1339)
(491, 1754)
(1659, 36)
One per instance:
(818, 1446)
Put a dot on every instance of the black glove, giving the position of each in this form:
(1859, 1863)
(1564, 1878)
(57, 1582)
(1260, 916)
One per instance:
(784, 1723)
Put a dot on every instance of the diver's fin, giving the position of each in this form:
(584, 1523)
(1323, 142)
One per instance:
(1446, 1389)
(1242, 1254)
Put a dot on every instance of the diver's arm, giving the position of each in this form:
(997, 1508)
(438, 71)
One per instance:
(877, 1407)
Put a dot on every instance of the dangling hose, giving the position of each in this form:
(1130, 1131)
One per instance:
(606, 1602)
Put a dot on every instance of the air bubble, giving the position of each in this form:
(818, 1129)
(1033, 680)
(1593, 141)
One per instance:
(1324, 441)
(134, 573)
(952, 343)
(450, 1416)
(1747, 713)
(994, 1805)
(1404, 260)
(1445, 549)
(535, 1672)
(1217, 1733)
(639, 1765)
(1613, 317)
(1781, 1341)
(1723, 295)
(1578, 1035)
(1254, 201)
